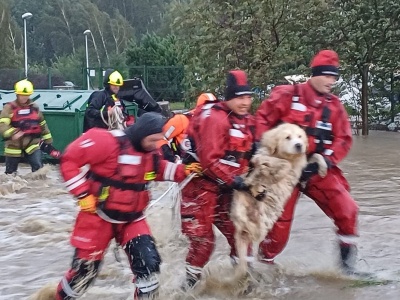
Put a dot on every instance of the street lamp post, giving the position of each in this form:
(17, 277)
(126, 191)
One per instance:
(86, 33)
(25, 17)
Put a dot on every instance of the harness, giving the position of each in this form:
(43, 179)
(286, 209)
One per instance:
(138, 187)
(26, 119)
(188, 145)
(111, 215)
(322, 131)
(233, 156)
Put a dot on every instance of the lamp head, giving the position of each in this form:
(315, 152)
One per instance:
(27, 15)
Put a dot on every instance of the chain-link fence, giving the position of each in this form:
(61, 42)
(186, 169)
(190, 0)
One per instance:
(162, 82)
(40, 79)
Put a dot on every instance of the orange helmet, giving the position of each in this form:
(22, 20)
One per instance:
(205, 97)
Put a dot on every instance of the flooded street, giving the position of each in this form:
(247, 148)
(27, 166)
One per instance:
(37, 215)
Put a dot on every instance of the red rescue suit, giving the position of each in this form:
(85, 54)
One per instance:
(111, 161)
(326, 122)
(174, 144)
(222, 142)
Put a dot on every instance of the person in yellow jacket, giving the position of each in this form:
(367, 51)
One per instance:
(23, 126)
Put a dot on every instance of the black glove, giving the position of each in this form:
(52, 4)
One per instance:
(49, 149)
(238, 184)
(329, 164)
(309, 171)
(168, 153)
(46, 148)
(254, 148)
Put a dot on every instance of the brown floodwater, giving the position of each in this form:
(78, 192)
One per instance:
(37, 215)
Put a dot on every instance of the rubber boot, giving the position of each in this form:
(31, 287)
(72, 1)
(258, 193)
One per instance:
(348, 258)
(145, 296)
(147, 288)
(267, 261)
(263, 259)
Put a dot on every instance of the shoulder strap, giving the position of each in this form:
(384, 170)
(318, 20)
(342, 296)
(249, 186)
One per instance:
(296, 93)
(326, 114)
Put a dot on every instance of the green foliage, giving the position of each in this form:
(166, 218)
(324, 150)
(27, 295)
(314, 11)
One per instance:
(157, 61)
(365, 33)
(153, 50)
(72, 68)
(256, 36)
(270, 39)
(9, 37)
(57, 27)
(144, 16)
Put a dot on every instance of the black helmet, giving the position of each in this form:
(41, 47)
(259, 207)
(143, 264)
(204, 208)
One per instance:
(148, 124)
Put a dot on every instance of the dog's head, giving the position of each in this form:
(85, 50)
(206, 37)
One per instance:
(285, 141)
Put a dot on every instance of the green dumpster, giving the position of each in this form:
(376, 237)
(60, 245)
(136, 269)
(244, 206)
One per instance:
(63, 110)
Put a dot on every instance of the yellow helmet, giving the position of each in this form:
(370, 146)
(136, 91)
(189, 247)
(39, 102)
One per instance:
(24, 87)
(115, 78)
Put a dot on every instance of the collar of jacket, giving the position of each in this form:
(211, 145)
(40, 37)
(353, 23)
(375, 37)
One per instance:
(27, 104)
(312, 97)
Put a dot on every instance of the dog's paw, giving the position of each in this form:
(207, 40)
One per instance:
(322, 165)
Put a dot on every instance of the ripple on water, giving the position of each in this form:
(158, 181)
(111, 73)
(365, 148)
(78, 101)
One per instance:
(37, 217)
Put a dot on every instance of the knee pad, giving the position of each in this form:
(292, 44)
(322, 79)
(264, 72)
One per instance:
(143, 255)
(75, 283)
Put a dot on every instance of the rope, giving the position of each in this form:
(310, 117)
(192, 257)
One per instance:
(179, 186)
(116, 118)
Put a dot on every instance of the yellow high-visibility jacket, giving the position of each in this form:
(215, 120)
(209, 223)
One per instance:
(12, 117)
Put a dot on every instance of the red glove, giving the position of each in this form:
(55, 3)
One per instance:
(55, 154)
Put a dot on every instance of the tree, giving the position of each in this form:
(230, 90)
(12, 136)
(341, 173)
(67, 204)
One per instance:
(57, 27)
(256, 36)
(153, 50)
(145, 16)
(157, 60)
(10, 43)
(71, 67)
(365, 33)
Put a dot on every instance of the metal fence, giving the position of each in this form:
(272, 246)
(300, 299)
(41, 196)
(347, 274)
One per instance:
(40, 79)
(162, 82)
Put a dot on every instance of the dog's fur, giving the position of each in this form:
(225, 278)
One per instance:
(277, 167)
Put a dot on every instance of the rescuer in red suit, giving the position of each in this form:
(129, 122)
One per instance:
(220, 137)
(108, 172)
(312, 106)
(175, 129)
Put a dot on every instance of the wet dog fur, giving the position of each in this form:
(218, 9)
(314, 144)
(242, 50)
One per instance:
(277, 167)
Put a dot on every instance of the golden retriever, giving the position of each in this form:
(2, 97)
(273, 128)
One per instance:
(277, 167)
